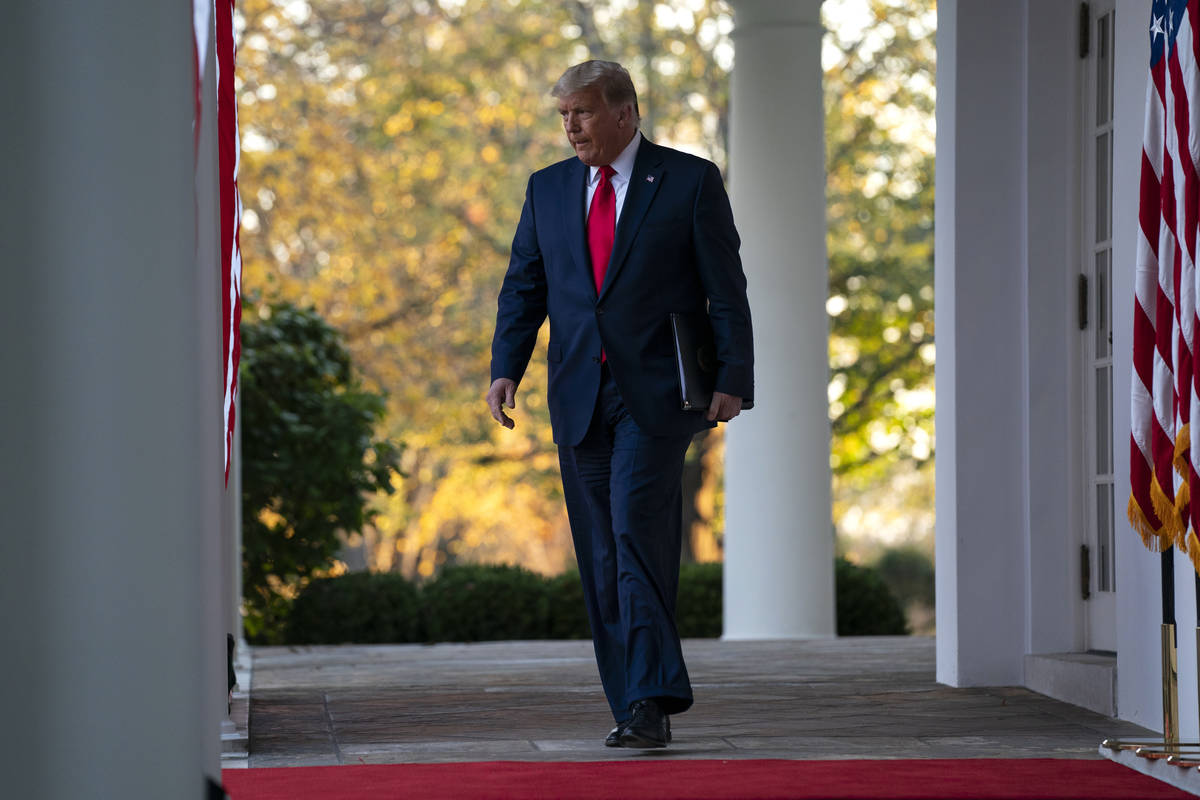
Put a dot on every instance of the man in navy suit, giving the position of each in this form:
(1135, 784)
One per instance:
(609, 245)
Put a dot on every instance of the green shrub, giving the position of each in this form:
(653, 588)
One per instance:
(908, 572)
(310, 457)
(359, 607)
(473, 603)
(865, 605)
(483, 602)
(698, 613)
(567, 613)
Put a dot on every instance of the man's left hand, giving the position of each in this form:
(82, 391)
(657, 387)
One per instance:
(724, 407)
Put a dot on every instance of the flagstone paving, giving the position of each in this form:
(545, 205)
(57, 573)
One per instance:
(868, 697)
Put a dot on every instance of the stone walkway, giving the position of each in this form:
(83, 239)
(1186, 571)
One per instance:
(871, 697)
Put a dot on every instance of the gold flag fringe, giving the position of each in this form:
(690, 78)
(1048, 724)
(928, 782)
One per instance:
(1173, 515)
(1172, 521)
(1183, 447)
(1182, 499)
(1150, 537)
(1183, 443)
(1193, 550)
(1158, 541)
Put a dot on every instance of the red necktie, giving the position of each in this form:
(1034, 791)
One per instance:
(601, 222)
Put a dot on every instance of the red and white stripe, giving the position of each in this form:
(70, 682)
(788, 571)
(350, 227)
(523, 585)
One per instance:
(230, 212)
(229, 148)
(1165, 391)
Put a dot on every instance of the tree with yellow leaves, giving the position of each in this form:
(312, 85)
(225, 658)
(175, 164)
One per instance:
(386, 144)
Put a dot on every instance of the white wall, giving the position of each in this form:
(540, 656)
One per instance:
(980, 280)
(1053, 524)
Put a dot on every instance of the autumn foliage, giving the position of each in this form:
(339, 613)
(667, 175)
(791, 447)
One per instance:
(386, 145)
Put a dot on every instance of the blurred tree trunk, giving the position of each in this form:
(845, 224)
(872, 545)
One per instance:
(693, 481)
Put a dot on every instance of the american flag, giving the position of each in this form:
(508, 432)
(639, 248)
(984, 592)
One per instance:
(231, 218)
(230, 201)
(1163, 469)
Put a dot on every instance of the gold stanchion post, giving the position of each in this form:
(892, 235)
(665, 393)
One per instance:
(1182, 754)
(1187, 755)
(1169, 748)
(1170, 666)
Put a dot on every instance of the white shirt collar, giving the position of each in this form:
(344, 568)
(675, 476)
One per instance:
(622, 164)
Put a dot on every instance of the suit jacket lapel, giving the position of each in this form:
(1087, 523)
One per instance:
(643, 184)
(573, 220)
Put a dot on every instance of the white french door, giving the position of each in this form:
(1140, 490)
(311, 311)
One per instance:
(1099, 584)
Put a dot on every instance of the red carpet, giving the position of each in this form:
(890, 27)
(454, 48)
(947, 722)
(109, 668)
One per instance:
(957, 779)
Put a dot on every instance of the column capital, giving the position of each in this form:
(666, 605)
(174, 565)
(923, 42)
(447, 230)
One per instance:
(749, 14)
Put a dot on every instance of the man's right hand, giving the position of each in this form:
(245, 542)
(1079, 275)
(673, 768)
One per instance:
(503, 392)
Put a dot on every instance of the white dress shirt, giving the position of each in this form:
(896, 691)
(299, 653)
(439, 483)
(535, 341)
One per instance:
(623, 166)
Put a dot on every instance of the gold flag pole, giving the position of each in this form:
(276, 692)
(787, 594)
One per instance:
(1169, 746)
(1170, 661)
(1189, 757)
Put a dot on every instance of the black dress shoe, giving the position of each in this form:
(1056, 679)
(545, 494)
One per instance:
(647, 726)
(614, 736)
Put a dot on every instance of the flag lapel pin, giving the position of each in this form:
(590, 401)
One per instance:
(649, 179)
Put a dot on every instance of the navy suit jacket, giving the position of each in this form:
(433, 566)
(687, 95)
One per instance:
(675, 249)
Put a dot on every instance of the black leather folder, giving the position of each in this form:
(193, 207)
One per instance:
(696, 361)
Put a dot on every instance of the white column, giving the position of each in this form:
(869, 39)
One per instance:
(106, 474)
(981, 263)
(779, 530)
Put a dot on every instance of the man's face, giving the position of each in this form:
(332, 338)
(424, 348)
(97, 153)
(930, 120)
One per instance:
(598, 133)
